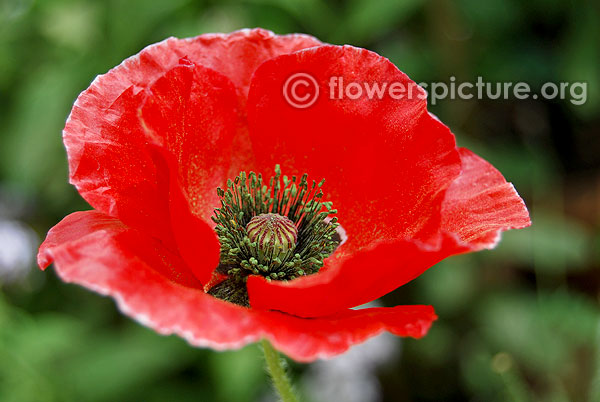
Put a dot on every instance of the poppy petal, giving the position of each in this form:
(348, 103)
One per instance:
(108, 162)
(238, 54)
(102, 254)
(480, 205)
(477, 207)
(309, 339)
(191, 111)
(195, 240)
(386, 161)
(88, 231)
(351, 281)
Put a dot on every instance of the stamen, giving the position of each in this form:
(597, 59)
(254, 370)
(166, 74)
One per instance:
(281, 231)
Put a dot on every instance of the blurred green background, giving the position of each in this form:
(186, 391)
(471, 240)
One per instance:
(520, 323)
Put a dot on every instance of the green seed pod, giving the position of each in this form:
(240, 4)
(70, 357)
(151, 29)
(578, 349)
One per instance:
(275, 235)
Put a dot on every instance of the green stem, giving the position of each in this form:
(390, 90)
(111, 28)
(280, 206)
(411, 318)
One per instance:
(277, 372)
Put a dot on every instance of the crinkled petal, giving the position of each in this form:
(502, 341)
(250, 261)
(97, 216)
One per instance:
(102, 254)
(477, 207)
(237, 55)
(108, 162)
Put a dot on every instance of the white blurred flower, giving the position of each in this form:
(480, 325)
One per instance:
(17, 249)
(351, 377)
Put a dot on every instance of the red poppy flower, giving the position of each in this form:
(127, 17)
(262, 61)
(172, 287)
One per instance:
(150, 142)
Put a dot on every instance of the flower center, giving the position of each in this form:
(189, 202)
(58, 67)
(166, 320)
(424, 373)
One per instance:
(281, 231)
(274, 235)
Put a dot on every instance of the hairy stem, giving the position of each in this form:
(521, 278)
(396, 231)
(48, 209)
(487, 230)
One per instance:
(276, 370)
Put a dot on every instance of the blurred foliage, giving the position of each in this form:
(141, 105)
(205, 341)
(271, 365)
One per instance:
(519, 323)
